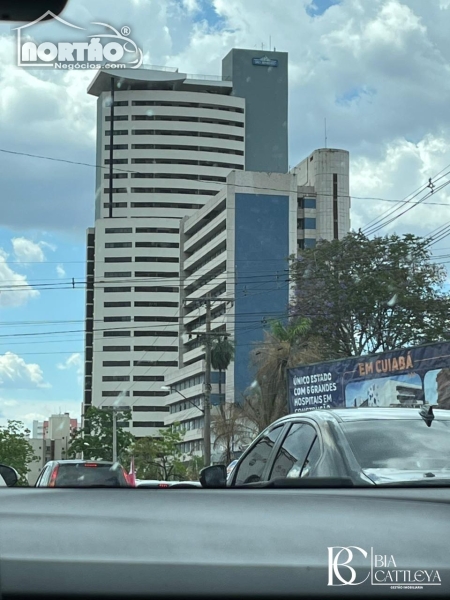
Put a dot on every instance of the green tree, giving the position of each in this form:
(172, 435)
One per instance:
(160, 457)
(366, 295)
(283, 346)
(222, 353)
(15, 450)
(95, 439)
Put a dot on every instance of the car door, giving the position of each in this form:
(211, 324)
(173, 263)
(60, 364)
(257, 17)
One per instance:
(291, 460)
(253, 465)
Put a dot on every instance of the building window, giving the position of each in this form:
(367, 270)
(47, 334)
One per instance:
(116, 363)
(117, 146)
(116, 348)
(160, 259)
(117, 132)
(142, 319)
(157, 244)
(117, 304)
(116, 378)
(155, 363)
(158, 274)
(118, 274)
(118, 244)
(300, 224)
(157, 304)
(117, 334)
(155, 333)
(115, 204)
(117, 259)
(157, 230)
(119, 230)
(335, 207)
(117, 161)
(115, 191)
(114, 393)
(148, 423)
(309, 223)
(310, 243)
(116, 319)
(149, 394)
(112, 290)
(309, 203)
(150, 409)
(117, 117)
(156, 289)
(155, 349)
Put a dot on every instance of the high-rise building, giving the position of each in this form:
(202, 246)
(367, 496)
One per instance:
(173, 140)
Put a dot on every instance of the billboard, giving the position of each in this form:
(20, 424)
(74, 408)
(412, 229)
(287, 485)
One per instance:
(399, 378)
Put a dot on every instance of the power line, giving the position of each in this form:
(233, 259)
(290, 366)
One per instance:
(118, 169)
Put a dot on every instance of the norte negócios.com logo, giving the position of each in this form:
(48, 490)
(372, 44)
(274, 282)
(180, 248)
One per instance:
(112, 49)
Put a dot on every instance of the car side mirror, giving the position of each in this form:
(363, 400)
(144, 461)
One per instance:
(214, 476)
(9, 475)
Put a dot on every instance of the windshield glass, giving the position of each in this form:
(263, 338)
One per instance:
(215, 214)
(400, 444)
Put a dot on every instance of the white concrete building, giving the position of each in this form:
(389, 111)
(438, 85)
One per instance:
(176, 137)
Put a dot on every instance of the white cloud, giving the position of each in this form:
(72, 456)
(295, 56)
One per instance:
(60, 271)
(15, 290)
(75, 361)
(191, 6)
(27, 251)
(15, 373)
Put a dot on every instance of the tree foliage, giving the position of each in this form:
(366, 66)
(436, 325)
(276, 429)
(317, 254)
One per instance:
(160, 457)
(366, 295)
(283, 346)
(15, 450)
(231, 430)
(95, 439)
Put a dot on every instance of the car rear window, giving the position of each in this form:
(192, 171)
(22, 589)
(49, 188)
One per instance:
(88, 474)
(400, 444)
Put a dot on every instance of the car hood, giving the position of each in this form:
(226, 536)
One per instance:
(394, 475)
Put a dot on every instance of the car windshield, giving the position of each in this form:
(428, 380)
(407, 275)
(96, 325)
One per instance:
(82, 475)
(400, 444)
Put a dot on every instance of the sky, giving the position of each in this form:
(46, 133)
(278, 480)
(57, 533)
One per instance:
(377, 71)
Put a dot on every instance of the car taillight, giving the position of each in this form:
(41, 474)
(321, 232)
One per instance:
(52, 482)
(90, 464)
(163, 485)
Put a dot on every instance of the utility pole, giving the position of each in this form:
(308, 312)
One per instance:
(207, 417)
(114, 433)
(207, 408)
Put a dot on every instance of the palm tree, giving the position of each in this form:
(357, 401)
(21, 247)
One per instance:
(222, 353)
(284, 346)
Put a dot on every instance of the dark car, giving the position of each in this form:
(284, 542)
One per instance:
(82, 473)
(369, 446)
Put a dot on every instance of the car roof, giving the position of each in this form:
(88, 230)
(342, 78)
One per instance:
(363, 414)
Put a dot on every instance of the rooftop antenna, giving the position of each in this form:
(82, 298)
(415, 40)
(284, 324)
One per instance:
(270, 43)
(325, 132)
(262, 46)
